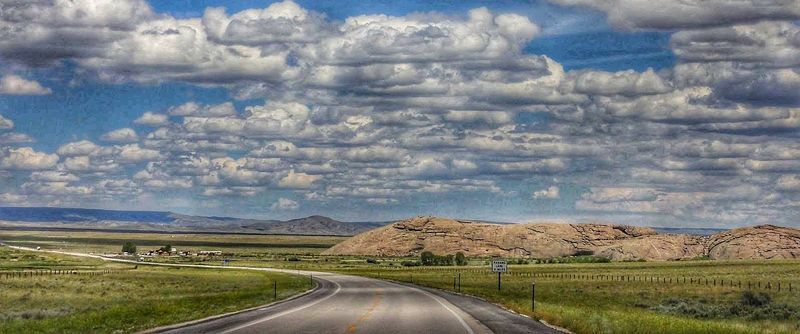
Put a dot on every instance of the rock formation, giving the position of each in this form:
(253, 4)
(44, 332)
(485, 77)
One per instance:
(617, 242)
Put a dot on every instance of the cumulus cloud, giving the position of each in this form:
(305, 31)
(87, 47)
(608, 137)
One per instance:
(124, 135)
(16, 85)
(6, 123)
(298, 180)
(39, 32)
(285, 204)
(681, 14)
(197, 110)
(15, 138)
(25, 158)
(152, 119)
(83, 147)
(552, 192)
(280, 22)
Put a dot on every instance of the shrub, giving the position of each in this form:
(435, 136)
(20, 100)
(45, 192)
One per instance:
(750, 298)
(409, 264)
(751, 306)
(129, 248)
(461, 260)
(372, 261)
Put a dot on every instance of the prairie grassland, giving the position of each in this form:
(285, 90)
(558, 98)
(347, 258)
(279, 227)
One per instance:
(593, 303)
(110, 242)
(128, 300)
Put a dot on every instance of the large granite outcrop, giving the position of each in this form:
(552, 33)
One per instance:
(543, 240)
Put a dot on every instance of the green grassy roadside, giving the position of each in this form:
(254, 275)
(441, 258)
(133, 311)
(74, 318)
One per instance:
(128, 300)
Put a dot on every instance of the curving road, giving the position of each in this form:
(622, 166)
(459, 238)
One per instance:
(351, 304)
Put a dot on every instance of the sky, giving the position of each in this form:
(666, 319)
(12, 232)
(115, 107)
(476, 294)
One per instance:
(676, 113)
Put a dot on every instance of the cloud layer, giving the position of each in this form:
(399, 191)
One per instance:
(386, 110)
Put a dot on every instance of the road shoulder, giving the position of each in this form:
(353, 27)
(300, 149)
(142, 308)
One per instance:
(496, 318)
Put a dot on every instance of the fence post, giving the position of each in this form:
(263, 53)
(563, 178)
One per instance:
(275, 290)
(533, 296)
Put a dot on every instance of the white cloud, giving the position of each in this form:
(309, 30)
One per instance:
(124, 135)
(193, 109)
(14, 199)
(298, 180)
(152, 119)
(676, 14)
(53, 176)
(133, 153)
(280, 22)
(16, 85)
(552, 192)
(83, 147)
(6, 123)
(25, 158)
(285, 204)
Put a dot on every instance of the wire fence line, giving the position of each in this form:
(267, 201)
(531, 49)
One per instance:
(57, 272)
(767, 285)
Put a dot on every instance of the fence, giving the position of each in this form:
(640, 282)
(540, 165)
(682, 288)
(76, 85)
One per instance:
(66, 272)
(776, 286)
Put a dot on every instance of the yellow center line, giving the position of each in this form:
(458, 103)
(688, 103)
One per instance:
(375, 302)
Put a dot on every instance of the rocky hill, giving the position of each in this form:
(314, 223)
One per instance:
(542, 240)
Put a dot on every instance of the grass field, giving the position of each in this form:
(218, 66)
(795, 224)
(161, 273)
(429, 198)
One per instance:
(106, 242)
(127, 300)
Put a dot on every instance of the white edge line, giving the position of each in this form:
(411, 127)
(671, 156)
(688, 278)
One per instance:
(255, 322)
(437, 299)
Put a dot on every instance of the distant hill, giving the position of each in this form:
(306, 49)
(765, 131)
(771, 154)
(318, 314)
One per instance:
(129, 221)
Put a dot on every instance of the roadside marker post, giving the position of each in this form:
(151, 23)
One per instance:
(533, 296)
(499, 266)
(275, 290)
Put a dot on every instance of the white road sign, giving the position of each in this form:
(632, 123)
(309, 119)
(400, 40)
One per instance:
(499, 266)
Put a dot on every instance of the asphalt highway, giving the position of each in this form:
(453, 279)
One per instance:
(350, 304)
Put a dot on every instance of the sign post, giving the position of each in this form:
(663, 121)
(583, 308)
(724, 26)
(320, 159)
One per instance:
(499, 266)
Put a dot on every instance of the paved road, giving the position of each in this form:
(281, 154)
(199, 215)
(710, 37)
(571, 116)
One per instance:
(351, 304)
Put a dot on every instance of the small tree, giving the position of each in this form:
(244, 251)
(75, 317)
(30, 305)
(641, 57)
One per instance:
(167, 248)
(461, 260)
(427, 258)
(129, 248)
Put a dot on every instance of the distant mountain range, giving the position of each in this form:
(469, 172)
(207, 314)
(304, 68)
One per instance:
(151, 221)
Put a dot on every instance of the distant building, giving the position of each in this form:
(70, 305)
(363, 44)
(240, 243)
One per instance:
(207, 252)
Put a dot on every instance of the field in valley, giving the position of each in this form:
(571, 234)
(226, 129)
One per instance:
(95, 296)
(621, 297)
(108, 242)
